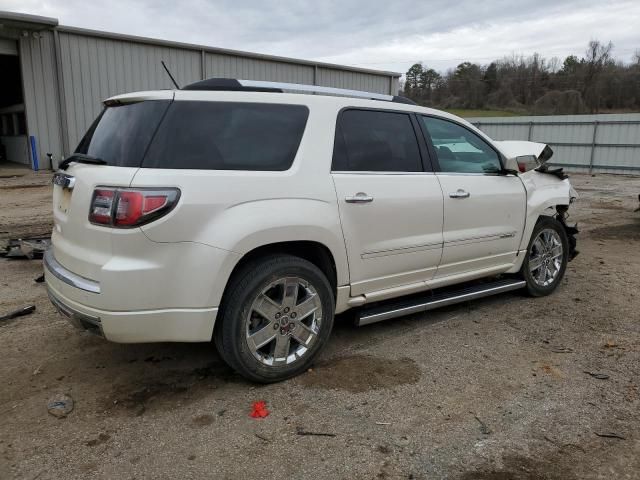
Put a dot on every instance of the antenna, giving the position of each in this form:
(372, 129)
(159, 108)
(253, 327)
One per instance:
(169, 73)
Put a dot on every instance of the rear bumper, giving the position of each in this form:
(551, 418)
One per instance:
(140, 326)
(67, 276)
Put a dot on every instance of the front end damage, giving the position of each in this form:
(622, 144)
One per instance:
(548, 189)
(571, 230)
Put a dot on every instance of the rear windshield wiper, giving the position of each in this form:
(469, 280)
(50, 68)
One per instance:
(81, 158)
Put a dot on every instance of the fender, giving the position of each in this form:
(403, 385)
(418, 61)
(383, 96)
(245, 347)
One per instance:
(544, 194)
(255, 224)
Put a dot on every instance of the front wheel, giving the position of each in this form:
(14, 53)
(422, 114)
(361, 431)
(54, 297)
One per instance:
(547, 257)
(276, 318)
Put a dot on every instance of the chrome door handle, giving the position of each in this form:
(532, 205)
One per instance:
(359, 197)
(460, 193)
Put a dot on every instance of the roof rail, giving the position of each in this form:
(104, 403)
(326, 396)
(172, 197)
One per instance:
(230, 84)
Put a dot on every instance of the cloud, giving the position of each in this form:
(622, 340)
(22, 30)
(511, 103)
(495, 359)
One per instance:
(373, 34)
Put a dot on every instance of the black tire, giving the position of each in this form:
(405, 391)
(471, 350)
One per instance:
(237, 316)
(535, 287)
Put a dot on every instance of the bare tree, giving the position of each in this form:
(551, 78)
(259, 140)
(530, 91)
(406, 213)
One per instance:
(598, 56)
(575, 84)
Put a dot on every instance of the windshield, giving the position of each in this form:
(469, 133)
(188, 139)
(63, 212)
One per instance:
(120, 135)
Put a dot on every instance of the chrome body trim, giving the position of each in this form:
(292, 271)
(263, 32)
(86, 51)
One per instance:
(422, 305)
(295, 87)
(481, 238)
(400, 250)
(359, 197)
(67, 276)
(373, 172)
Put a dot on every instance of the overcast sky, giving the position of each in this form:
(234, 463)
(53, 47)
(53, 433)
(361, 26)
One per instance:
(386, 35)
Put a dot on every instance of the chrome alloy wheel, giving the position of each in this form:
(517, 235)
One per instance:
(545, 257)
(284, 321)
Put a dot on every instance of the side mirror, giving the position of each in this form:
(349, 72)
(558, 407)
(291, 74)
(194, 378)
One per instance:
(511, 165)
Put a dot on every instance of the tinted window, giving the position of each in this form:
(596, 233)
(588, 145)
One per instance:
(460, 150)
(228, 136)
(375, 141)
(121, 134)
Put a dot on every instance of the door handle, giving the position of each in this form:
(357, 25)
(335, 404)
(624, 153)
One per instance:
(359, 197)
(460, 193)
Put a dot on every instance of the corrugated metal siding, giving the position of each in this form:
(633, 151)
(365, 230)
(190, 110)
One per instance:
(67, 74)
(234, 66)
(97, 68)
(617, 144)
(37, 59)
(328, 77)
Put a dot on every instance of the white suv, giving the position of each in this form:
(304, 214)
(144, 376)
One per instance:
(240, 212)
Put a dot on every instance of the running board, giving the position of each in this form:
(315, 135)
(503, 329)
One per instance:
(437, 300)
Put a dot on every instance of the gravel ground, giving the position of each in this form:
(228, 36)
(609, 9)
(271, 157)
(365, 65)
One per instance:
(501, 388)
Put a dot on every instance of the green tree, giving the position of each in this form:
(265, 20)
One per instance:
(427, 82)
(412, 82)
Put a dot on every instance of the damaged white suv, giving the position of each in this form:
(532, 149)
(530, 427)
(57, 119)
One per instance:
(241, 212)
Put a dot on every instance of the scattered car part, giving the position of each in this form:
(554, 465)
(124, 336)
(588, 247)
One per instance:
(31, 248)
(60, 405)
(19, 313)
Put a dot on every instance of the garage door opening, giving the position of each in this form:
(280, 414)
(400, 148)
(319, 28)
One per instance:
(14, 142)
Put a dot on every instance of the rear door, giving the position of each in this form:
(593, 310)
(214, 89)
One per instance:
(119, 137)
(484, 209)
(390, 201)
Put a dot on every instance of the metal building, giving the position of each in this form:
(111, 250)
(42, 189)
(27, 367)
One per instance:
(599, 143)
(53, 78)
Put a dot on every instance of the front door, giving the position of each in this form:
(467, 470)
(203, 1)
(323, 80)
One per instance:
(484, 209)
(390, 204)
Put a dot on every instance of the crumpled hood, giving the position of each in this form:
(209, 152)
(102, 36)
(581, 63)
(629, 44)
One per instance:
(521, 148)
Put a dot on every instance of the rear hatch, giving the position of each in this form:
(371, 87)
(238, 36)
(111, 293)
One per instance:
(115, 144)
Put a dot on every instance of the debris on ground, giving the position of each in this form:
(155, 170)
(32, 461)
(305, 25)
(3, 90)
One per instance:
(484, 429)
(39, 279)
(60, 406)
(303, 432)
(259, 409)
(610, 435)
(561, 349)
(19, 313)
(599, 376)
(263, 438)
(30, 248)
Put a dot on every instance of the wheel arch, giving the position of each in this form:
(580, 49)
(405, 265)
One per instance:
(313, 251)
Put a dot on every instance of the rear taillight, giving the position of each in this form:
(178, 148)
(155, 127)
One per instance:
(131, 207)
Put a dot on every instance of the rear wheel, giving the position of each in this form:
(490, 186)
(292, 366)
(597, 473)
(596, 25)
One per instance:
(275, 319)
(547, 257)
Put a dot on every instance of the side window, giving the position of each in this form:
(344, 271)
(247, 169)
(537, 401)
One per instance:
(228, 136)
(375, 141)
(459, 150)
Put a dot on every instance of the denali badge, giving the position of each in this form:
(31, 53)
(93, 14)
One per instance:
(63, 180)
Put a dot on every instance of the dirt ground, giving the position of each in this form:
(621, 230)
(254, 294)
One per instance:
(502, 388)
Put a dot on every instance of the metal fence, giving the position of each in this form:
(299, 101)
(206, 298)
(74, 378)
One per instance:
(608, 143)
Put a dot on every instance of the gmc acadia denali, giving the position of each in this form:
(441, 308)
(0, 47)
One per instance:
(241, 212)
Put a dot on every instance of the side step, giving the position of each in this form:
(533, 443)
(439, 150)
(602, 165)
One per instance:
(438, 299)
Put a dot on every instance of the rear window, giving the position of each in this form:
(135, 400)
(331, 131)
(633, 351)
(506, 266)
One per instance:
(228, 136)
(121, 134)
